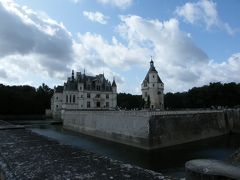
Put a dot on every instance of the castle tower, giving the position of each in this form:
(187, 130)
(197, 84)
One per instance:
(152, 89)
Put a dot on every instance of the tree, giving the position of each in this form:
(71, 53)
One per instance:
(24, 100)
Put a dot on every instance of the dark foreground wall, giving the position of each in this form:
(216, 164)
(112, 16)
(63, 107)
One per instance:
(173, 129)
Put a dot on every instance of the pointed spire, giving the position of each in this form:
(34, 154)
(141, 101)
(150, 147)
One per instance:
(151, 62)
(114, 83)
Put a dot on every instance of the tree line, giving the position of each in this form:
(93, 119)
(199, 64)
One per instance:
(214, 95)
(24, 100)
(27, 100)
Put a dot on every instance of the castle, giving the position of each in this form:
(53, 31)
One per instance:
(152, 89)
(84, 92)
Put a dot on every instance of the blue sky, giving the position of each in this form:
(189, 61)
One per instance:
(192, 42)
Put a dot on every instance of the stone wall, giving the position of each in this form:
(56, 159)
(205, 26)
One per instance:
(126, 128)
(232, 117)
(173, 129)
(147, 130)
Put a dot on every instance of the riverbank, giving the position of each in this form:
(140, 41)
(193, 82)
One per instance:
(26, 155)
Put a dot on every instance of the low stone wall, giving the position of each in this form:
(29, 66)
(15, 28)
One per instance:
(127, 128)
(173, 129)
(147, 130)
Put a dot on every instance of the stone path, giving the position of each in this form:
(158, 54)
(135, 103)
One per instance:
(26, 155)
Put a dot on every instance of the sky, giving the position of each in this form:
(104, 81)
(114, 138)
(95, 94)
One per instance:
(192, 43)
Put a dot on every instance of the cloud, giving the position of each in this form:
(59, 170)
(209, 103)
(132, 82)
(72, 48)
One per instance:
(204, 12)
(94, 50)
(96, 17)
(3, 74)
(26, 33)
(36, 48)
(181, 64)
(118, 3)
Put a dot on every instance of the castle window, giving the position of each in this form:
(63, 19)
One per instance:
(107, 104)
(107, 96)
(97, 95)
(73, 98)
(145, 83)
(88, 95)
(88, 87)
(67, 98)
(80, 87)
(57, 98)
(159, 92)
(153, 85)
(153, 76)
(70, 99)
(81, 96)
(98, 104)
(56, 106)
(145, 94)
(88, 104)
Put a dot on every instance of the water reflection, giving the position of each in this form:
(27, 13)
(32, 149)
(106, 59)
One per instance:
(169, 161)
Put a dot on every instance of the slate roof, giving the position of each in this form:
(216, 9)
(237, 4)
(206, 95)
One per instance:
(59, 89)
(152, 69)
(92, 83)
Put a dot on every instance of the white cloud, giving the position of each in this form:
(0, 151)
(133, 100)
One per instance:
(181, 64)
(96, 17)
(118, 3)
(26, 33)
(204, 12)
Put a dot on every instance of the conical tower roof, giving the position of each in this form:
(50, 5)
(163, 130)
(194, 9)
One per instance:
(152, 69)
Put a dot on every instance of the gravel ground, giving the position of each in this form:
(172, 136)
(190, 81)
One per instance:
(26, 155)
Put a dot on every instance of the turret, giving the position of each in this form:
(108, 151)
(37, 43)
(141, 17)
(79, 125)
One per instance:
(152, 88)
(114, 86)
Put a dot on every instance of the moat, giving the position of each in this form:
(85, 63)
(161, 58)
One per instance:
(169, 161)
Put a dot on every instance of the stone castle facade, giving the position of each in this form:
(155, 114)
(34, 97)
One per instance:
(152, 89)
(84, 92)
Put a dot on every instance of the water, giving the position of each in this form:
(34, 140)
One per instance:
(169, 161)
